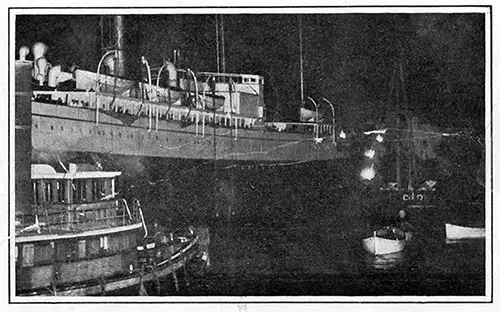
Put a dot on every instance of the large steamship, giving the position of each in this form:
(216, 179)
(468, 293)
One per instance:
(172, 112)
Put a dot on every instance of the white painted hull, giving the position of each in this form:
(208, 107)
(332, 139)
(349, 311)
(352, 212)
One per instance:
(462, 232)
(382, 246)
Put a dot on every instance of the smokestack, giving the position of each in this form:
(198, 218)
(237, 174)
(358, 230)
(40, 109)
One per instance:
(120, 66)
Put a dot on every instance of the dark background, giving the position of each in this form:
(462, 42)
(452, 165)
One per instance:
(351, 59)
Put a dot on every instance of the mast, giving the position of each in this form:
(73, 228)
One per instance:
(394, 98)
(217, 42)
(222, 44)
(301, 63)
(412, 160)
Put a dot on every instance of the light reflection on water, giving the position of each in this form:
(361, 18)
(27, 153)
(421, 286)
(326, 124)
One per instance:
(385, 262)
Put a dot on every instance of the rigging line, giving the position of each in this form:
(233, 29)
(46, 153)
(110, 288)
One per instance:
(419, 131)
(62, 165)
(269, 165)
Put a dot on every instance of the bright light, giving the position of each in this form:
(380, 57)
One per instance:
(318, 140)
(368, 173)
(380, 138)
(383, 131)
(342, 134)
(370, 153)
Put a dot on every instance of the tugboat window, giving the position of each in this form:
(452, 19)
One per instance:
(47, 192)
(103, 243)
(79, 191)
(61, 191)
(81, 249)
(44, 253)
(36, 195)
(97, 190)
(28, 255)
(93, 247)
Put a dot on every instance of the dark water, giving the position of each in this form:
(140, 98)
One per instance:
(297, 230)
(318, 261)
(304, 260)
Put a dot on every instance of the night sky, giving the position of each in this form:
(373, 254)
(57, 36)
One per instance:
(354, 60)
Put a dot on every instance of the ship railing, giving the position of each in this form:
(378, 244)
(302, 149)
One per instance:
(157, 112)
(227, 77)
(301, 127)
(154, 111)
(56, 218)
(75, 99)
(161, 111)
(68, 226)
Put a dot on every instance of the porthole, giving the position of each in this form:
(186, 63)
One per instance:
(51, 127)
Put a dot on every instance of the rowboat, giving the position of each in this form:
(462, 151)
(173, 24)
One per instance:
(377, 245)
(462, 232)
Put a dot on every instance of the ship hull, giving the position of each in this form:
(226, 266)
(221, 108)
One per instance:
(61, 128)
(195, 250)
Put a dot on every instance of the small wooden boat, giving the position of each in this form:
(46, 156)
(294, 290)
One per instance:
(454, 232)
(377, 245)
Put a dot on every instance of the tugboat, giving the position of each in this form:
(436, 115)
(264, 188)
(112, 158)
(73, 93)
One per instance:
(80, 238)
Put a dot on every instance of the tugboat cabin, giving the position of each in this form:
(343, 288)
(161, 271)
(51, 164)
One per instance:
(77, 230)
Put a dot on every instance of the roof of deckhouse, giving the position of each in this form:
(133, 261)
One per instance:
(42, 171)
